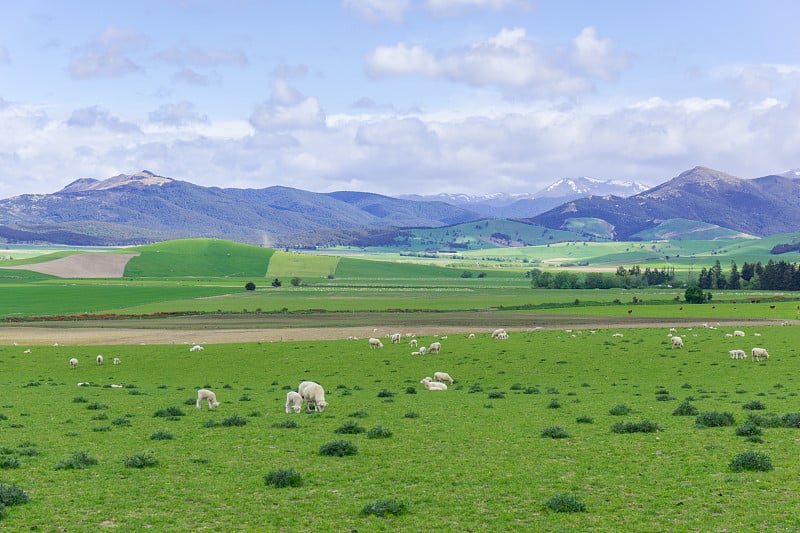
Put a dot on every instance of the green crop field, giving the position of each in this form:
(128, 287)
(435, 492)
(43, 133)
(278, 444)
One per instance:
(528, 420)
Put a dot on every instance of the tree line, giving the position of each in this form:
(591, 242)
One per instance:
(774, 276)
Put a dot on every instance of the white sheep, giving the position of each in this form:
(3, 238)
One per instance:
(499, 331)
(738, 354)
(313, 394)
(673, 331)
(617, 335)
(738, 333)
(117, 361)
(196, 348)
(294, 402)
(422, 350)
(412, 343)
(73, 363)
(210, 397)
(677, 342)
(435, 347)
(375, 343)
(759, 353)
(99, 359)
(426, 379)
(396, 338)
(471, 336)
(415, 353)
(435, 385)
(443, 376)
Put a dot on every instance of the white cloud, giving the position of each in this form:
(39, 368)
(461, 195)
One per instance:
(375, 10)
(177, 114)
(91, 117)
(401, 60)
(203, 57)
(596, 57)
(108, 54)
(286, 110)
(450, 7)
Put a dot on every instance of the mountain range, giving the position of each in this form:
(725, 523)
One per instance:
(145, 207)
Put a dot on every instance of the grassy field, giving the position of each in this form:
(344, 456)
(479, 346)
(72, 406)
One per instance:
(528, 419)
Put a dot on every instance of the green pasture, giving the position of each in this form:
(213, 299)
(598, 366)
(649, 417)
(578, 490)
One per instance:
(290, 265)
(470, 458)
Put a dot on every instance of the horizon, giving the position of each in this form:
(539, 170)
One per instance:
(441, 96)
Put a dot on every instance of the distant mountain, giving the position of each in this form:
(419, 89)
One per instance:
(526, 205)
(760, 206)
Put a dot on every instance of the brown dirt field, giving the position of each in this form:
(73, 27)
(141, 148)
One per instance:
(87, 265)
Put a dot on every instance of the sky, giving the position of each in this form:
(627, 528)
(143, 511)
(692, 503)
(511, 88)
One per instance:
(396, 96)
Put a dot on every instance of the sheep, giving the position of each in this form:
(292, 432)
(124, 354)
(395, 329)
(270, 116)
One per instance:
(617, 335)
(210, 397)
(435, 385)
(73, 363)
(759, 353)
(435, 347)
(375, 343)
(738, 354)
(502, 336)
(738, 333)
(677, 342)
(27, 350)
(498, 332)
(422, 350)
(443, 376)
(413, 343)
(673, 331)
(426, 379)
(117, 361)
(294, 402)
(396, 338)
(313, 394)
(196, 348)
(415, 353)
(471, 336)
(99, 359)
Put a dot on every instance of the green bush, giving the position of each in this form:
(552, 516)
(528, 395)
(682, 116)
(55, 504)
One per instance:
(358, 414)
(754, 405)
(748, 429)
(771, 421)
(411, 414)
(8, 461)
(497, 395)
(286, 477)
(379, 432)
(565, 503)
(620, 410)
(78, 461)
(170, 412)
(554, 432)
(751, 461)
(234, 420)
(349, 428)
(140, 460)
(11, 495)
(585, 419)
(384, 393)
(383, 508)
(791, 420)
(285, 424)
(554, 404)
(338, 448)
(711, 419)
(645, 426)
(685, 408)
(161, 435)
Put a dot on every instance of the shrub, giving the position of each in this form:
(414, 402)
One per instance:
(161, 435)
(554, 432)
(383, 508)
(411, 390)
(78, 461)
(771, 421)
(349, 428)
(497, 395)
(234, 420)
(285, 424)
(8, 461)
(379, 432)
(338, 448)
(751, 461)
(358, 414)
(685, 408)
(619, 410)
(411, 414)
(140, 460)
(475, 388)
(791, 420)
(565, 503)
(170, 412)
(79, 399)
(712, 419)
(11, 495)
(645, 426)
(121, 421)
(96, 406)
(585, 419)
(285, 477)
(748, 429)
(385, 393)
(754, 405)
(554, 404)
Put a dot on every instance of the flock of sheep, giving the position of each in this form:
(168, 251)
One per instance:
(73, 363)
(757, 353)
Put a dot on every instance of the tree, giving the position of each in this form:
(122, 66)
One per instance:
(250, 286)
(276, 282)
(296, 282)
(694, 295)
(734, 279)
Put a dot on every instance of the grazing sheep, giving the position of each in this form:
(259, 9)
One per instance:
(435, 347)
(73, 363)
(443, 376)
(412, 343)
(422, 350)
(313, 394)
(27, 350)
(435, 385)
(673, 331)
(759, 353)
(117, 361)
(294, 402)
(196, 348)
(617, 335)
(502, 336)
(415, 353)
(426, 379)
(396, 338)
(677, 342)
(99, 359)
(738, 333)
(738, 354)
(471, 336)
(499, 331)
(210, 397)
(375, 343)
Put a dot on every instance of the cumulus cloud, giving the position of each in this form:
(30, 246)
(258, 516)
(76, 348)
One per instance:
(91, 117)
(375, 10)
(203, 57)
(509, 60)
(177, 114)
(108, 54)
(287, 109)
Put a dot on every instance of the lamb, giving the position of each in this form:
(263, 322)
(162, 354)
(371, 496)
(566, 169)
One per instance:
(471, 336)
(375, 343)
(73, 363)
(99, 359)
(434, 347)
(294, 402)
(313, 394)
(210, 397)
(435, 385)
(412, 343)
(422, 350)
(677, 342)
(117, 361)
(759, 353)
(443, 376)
(502, 336)
(426, 379)
(196, 348)
(617, 335)
(396, 338)
(673, 331)
(738, 354)
(738, 333)
(499, 331)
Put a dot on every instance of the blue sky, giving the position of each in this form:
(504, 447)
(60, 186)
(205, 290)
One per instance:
(395, 96)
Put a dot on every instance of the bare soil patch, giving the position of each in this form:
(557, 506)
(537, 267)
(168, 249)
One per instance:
(86, 265)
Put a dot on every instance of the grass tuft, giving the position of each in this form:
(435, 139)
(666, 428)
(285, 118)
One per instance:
(384, 508)
(282, 478)
(751, 461)
(565, 503)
